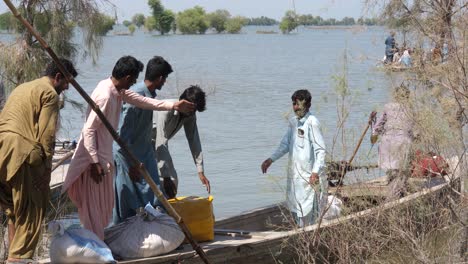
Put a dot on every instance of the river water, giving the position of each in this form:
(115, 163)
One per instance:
(249, 79)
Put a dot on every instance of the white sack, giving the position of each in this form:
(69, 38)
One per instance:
(76, 245)
(334, 207)
(145, 235)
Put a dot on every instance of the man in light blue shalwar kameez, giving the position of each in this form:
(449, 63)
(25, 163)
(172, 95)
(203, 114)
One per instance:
(135, 129)
(307, 183)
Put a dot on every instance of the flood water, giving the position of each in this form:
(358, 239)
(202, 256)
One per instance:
(249, 79)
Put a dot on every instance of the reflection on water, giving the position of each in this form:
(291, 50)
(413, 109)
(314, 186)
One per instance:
(250, 79)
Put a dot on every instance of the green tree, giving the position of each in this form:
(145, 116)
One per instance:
(166, 21)
(235, 24)
(150, 23)
(192, 21)
(126, 23)
(218, 19)
(132, 28)
(56, 21)
(262, 21)
(104, 24)
(6, 21)
(138, 20)
(289, 22)
(164, 18)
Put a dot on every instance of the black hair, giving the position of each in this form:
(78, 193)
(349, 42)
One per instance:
(157, 67)
(52, 68)
(196, 95)
(127, 65)
(302, 95)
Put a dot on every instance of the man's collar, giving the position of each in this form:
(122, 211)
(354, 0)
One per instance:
(304, 118)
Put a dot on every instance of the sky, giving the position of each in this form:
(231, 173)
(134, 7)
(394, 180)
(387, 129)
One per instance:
(249, 8)
(125, 9)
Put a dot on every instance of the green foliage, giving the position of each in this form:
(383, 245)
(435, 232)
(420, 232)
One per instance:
(367, 21)
(156, 6)
(310, 20)
(150, 23)
(262, 21)
(218, 20)
(104, 24)
(289, 22)
(126, 23)
(138, 20)
(164, 19)
(56, 21)
(6, 21)
(235, 24)
(192, 21)
(132, 28)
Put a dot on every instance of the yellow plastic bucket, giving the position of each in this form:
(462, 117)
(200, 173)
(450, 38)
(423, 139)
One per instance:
(197, 213)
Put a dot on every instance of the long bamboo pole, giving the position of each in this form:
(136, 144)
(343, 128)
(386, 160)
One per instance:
(343, 168)
(114, 134)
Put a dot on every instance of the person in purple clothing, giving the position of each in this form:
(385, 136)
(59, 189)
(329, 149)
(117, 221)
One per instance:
(395, 126)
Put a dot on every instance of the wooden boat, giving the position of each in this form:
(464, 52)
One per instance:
(258, 236)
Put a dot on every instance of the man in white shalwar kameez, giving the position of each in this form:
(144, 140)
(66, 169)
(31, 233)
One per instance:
(307, 182)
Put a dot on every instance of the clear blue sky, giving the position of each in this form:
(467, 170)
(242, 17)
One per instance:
(125, 9)
(250, 8)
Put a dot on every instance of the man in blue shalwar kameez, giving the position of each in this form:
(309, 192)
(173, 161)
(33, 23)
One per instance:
(135, 129)
(307, 185)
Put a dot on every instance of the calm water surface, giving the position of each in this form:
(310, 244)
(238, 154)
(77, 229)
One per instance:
(249, 79)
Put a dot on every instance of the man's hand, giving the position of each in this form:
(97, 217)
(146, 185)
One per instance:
(169, 188)
(313, 178)
(266, 164)
(205, 181)
(373, 139)
(97, 172)
(41, 183)
(184, 106)
(134, 172)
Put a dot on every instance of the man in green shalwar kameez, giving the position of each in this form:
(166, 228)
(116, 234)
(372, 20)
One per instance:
(27, 135)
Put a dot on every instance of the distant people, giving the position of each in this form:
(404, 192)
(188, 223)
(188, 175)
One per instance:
(406, 59)
(395, 127)
(90, 177)
(167, 125)
(28, 123)
(390, 47)
(307, 183)
(135, 129)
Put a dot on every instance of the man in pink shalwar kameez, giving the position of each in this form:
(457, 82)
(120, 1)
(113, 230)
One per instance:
(90, 177)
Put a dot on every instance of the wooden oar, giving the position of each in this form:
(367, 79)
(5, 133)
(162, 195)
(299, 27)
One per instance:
(62, 160)
(114, 134)
(343, 168)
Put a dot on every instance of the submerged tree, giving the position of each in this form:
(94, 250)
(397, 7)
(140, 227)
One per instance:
(192, 21)
(138, 20)
(105, 24)
(235, 24)
(218, 20)
(57, 21)
(289, 22)
(6, 21)
(163, 18)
